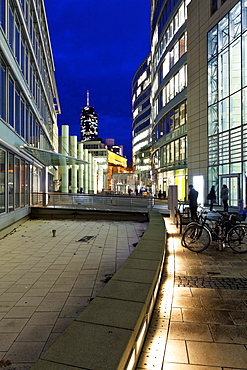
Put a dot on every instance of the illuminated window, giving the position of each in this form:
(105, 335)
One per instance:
(176, 52)
(235, 66)
(223, 33)
(235, 21)
(182, 46)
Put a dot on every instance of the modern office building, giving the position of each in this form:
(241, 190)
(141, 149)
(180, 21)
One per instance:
(89, 122)
(166, 98)
(141, 124)
(28, 107)
(198, 96)
(217, 108)
(169, 94)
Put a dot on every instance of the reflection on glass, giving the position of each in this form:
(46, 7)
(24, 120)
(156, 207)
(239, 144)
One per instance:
(22, 183)
(235, 21)
(235, 66)
(224, 115)
(223, 68)
(212, 81)
(235, 110)
(244, 15)
(244, 59)
(11, 181)
(2, 181)
(223, 32)
(17, 182)
(212, 43)
(213, 119)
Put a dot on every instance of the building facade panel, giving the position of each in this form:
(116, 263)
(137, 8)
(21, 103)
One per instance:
(169, 95)
(141, 125)
(220, 43)
(28, 104)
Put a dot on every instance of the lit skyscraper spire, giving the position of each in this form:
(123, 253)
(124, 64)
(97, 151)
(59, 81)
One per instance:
(88, 122)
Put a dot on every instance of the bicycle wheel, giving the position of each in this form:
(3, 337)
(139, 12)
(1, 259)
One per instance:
(237, 238)
(192, 223)
(196, 238)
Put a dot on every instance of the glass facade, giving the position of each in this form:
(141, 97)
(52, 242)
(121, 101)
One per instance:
(168, 95)
(28, 101)
(2, 180)
(227, 84)
(141, 132)
(14, 176)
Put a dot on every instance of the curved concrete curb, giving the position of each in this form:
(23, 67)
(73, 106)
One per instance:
(109, 333)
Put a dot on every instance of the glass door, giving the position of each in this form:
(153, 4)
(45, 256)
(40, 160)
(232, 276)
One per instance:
(232, 182)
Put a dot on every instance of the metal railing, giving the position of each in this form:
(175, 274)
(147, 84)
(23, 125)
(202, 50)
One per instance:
(92, 201)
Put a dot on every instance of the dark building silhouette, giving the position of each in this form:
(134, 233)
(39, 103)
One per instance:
(88, 123)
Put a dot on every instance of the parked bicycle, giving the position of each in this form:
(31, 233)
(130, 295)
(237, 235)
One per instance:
(226, 230)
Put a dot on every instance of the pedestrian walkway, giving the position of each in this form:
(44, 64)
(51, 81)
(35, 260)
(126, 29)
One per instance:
(46, 280)
(200, 317)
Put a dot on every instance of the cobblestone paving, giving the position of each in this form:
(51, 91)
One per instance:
(210, 282)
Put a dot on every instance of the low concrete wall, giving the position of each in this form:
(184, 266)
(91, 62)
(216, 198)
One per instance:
(13, 219)
(88, 214)
(110, 332)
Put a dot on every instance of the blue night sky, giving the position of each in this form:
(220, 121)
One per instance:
(97, 46)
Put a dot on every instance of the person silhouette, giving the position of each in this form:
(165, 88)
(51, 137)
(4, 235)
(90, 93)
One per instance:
(193, 195)
(225, 197)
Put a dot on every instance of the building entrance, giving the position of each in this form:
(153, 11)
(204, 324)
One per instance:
(233, 184)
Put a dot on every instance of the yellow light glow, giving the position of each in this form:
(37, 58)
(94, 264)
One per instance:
(131, 363)
(153, 350)
(141, 335)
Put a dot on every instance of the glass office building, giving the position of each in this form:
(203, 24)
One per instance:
(217, 71)
(227, 102)
(198, 96)
(169, 95)
(141, 126)
(28, 106)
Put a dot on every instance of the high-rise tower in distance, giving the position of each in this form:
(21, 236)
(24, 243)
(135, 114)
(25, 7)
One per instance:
(88, 122)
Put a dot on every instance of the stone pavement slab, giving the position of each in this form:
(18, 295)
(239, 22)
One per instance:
(46, 281)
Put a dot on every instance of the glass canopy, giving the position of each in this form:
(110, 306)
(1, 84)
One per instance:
(49, 158)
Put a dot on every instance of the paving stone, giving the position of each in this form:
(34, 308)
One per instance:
(44, 365)
(34, 333)
(6, 340)
(189, 331)
(20, 312)
(43, 318)
(25, 351)
(176, 314)
(12, 325)
(176, 351)
(169, 366)
(238, 317)
(217, 354)
(6, 306)
(186, 302)
(207, 316)
(229, 333)
(223, 304)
